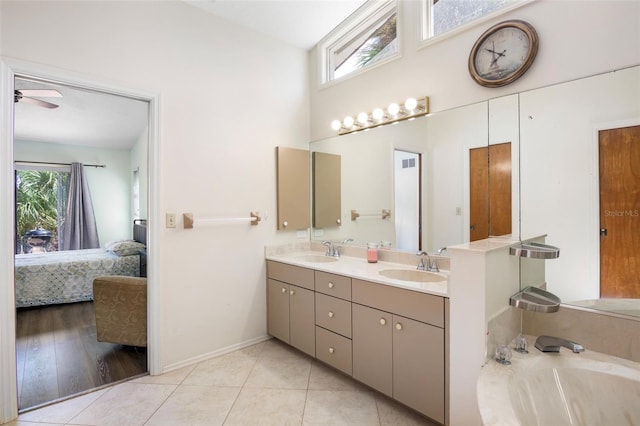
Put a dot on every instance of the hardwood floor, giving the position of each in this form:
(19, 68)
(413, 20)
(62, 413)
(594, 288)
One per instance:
(58, 354)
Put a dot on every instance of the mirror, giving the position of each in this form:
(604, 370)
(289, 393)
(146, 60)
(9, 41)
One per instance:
(327, 196)
(564, 130)
(442, 142)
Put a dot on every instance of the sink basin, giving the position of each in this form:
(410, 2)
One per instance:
(317, 258)
(412, 275)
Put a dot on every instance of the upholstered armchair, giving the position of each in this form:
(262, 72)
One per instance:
(120, 304)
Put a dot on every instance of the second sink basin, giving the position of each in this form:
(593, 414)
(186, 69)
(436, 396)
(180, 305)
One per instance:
(317, 258)
(412, 275)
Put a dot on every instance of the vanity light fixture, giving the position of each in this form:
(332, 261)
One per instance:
(395, 112)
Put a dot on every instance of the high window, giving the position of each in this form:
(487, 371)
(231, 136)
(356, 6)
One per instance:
(442, 16)
(367, 38)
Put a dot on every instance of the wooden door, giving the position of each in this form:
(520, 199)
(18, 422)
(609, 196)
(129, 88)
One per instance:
(619, 160)
(478, 193)
(490, 191)
(500, 189)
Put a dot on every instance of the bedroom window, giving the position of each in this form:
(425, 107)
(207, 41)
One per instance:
(367, 38)
(40, 208)
(442, 16)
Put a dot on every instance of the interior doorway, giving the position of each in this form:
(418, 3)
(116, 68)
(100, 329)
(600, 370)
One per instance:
(57, 354)
(619, 180)
(408, 200)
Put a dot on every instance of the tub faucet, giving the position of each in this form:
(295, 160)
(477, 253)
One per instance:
(552, 344)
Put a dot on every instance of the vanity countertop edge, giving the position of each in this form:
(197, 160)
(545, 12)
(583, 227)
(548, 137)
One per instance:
(359, 268)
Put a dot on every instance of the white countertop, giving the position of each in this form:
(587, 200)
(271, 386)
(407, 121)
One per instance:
(358, 267)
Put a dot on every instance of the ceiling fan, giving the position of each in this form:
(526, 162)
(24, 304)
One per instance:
(29, 95)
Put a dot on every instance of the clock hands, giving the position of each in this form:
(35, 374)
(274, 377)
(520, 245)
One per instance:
(495, 55)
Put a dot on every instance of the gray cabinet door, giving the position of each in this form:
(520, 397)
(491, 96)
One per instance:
(372, 348)
(302, 319)
(418, 366)
(278, 310)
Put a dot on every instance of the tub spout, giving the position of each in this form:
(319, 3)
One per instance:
(552, 344)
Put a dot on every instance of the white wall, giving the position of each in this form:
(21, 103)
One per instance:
(110, 186)
(140, 162)
(569, 31)
(227, 97)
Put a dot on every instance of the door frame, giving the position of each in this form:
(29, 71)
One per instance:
(9, 68)
(593, 283)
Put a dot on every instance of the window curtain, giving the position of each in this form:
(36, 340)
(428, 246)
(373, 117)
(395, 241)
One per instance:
(79, 230)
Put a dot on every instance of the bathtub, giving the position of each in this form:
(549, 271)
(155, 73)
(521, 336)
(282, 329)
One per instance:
(557, 389)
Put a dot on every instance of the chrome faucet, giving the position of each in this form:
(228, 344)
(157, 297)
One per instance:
(428, 266)
(332, 250)
(441, 249)
(552, 344)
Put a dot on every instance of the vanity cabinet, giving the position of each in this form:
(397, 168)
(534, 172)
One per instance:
(333, 320)
(399, 345)
(389, 338)
(291, 306)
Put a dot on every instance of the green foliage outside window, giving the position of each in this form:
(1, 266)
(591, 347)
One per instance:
(40, 198)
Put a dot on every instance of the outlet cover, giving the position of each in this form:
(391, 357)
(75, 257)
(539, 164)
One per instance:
(171, 220)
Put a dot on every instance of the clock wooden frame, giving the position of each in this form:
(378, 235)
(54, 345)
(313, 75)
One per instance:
(530, 33)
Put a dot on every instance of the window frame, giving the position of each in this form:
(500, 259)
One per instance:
(425, 19)
(349, 29)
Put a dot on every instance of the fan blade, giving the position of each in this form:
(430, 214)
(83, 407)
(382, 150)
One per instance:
(41, 93)
(37, 102)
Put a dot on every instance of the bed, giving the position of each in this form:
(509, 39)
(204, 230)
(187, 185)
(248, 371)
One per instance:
(67, 276)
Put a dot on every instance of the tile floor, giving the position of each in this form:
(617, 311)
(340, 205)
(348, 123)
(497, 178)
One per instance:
(265, 384)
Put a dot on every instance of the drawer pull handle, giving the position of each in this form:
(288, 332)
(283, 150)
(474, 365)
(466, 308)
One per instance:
(292, 292)
(331, 314)
(330, 285)
(383, 321)
(284, 290)
(331, 350)
(398, 326)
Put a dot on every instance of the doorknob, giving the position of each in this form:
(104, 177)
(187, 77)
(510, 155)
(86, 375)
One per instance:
(603, 232)
(472, 227)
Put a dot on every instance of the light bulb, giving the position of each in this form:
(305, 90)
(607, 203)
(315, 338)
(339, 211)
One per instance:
(348, 122)
(363, 118)
(411, 104)
(393, 109)
(377, 114)
(336, 124)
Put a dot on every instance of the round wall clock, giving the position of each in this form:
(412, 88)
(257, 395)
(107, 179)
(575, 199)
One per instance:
(503, 53)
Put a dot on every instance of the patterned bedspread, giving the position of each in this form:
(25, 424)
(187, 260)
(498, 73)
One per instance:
(66, 276)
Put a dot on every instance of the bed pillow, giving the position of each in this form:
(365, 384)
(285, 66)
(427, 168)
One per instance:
(125, 247)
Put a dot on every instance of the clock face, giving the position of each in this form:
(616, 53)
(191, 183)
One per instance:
(503, 53)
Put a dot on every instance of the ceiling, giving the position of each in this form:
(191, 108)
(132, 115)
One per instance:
(300, 23)
(83, 117)
(90, 118)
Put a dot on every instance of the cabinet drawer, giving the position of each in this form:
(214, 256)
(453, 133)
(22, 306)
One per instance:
(333, 285)
(333, 314)
(333, 349)
(302, 277)
(411, 304)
